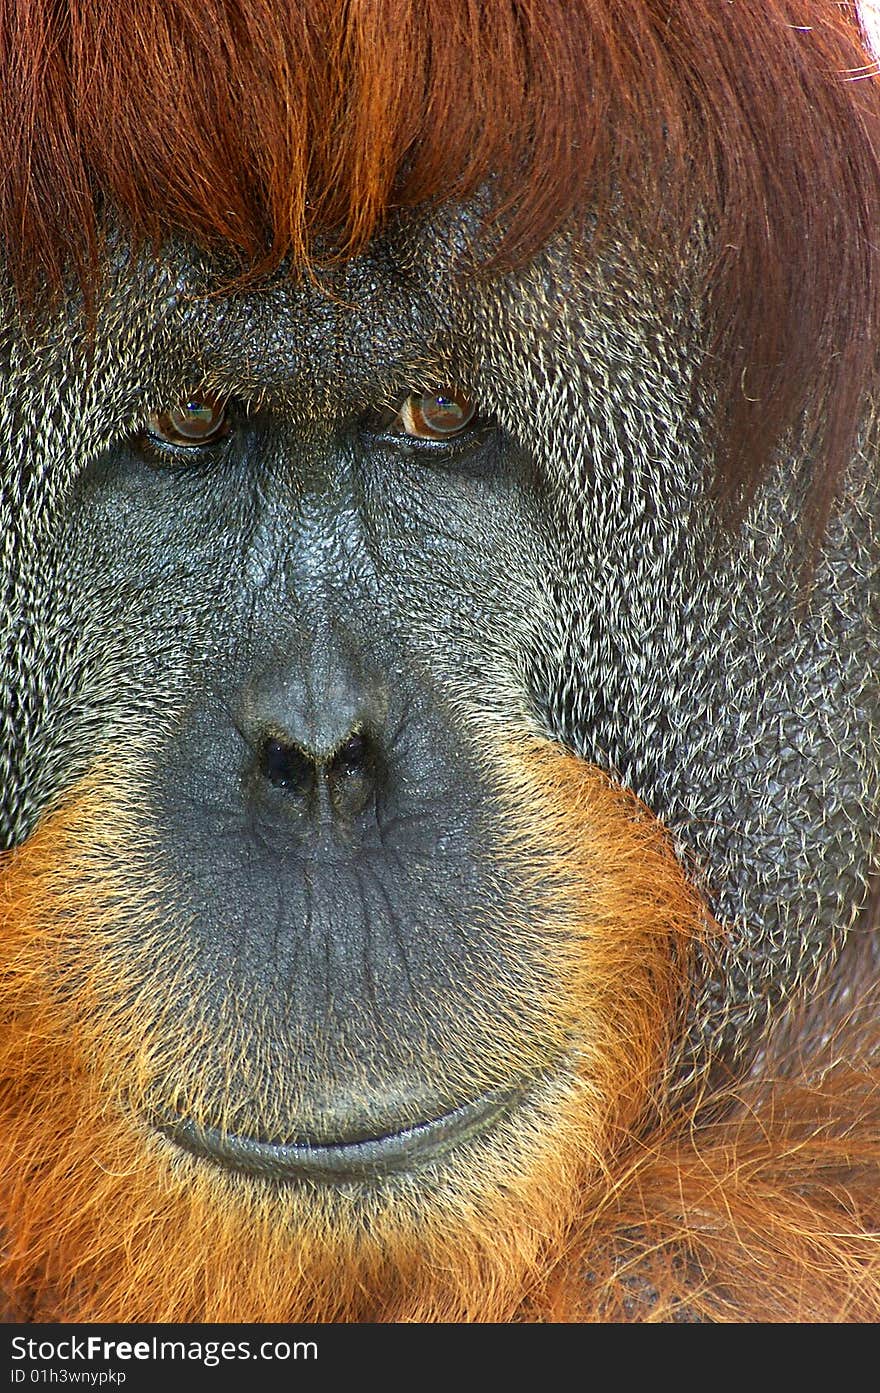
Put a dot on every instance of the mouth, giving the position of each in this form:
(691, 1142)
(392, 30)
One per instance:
(368, 1158)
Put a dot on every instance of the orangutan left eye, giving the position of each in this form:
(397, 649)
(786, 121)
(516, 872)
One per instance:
(434, 415)
(199, 421)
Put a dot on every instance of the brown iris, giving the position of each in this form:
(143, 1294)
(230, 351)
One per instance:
(435, 415)
(200, 420)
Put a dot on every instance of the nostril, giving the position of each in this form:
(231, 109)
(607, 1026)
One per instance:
(352, 756)
(353, 775)
(349, 776)
(285, 765)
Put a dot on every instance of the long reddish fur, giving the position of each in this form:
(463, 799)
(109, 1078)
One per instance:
(277, 129)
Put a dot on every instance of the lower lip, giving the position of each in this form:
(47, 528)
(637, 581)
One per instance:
(351, 1161)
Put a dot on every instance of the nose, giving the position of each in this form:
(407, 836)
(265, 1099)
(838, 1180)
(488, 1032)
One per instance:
(316, 721)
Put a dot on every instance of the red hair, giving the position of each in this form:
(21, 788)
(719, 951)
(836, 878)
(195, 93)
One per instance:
(261, 125)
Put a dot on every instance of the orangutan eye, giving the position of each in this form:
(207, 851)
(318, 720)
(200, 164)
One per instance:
(201, 420)
(434, 415)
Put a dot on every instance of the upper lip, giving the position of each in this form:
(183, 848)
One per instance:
(364, 1159)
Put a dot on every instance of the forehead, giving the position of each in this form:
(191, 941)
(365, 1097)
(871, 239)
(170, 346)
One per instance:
(393, 316)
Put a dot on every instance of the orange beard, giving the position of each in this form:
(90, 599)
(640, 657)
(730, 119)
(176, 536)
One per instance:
(107, 1220)
(589, 1206)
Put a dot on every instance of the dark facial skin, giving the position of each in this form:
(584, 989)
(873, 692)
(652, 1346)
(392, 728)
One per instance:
(307, 635)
